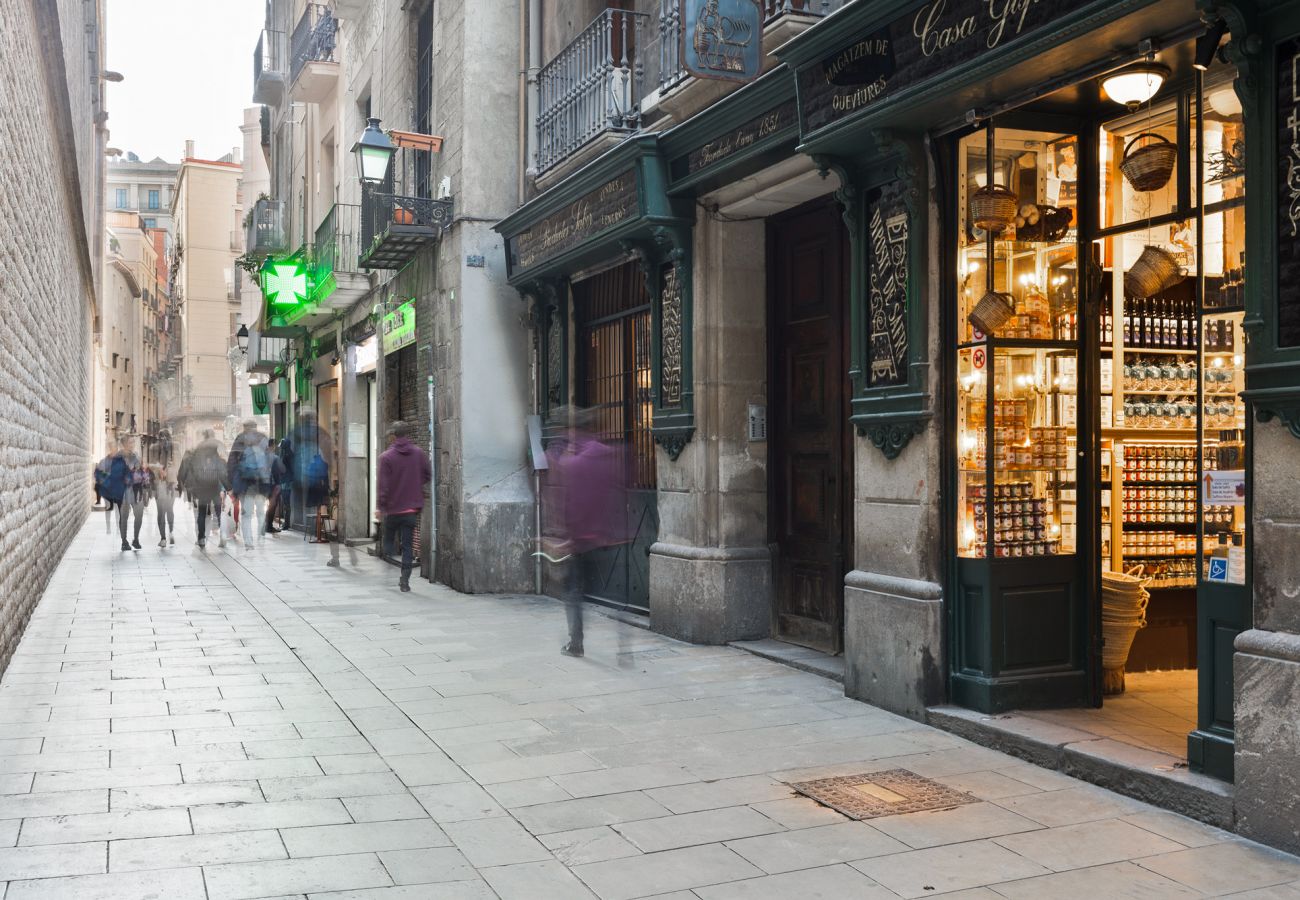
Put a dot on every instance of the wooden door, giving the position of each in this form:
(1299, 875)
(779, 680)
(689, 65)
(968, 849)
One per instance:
(810, 460)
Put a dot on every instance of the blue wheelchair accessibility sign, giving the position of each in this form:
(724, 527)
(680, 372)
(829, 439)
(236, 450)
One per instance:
(1218, 569)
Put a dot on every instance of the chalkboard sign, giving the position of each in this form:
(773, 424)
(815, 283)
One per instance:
(1288, 201)
(887, 262)
(930, 39)
(610, 204)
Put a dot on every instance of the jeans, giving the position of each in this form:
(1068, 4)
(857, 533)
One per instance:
(401, 527)
(131, 502)
(202, 510)
(575, 568)
(252, 510)
(166, 521)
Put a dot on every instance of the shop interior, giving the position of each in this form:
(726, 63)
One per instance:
(1101, 439)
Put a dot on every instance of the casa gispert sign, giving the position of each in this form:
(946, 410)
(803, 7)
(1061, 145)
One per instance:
(613, 203)
(932, 38)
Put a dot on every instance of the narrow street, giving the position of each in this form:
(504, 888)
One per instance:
(253, 724)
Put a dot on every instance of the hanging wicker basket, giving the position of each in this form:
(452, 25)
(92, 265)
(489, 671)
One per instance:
(993, 208)
(1148, 168)
(1155, 270)
(992, 312)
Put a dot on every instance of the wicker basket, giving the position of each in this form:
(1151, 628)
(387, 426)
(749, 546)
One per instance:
(1124, 601)
(993, 208)
(1052, 225)
(1155, 270)
(1148, 167)
(992, 312)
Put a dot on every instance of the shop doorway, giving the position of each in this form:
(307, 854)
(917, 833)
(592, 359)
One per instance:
(1100, 439)
(612, 312)
(810, 457)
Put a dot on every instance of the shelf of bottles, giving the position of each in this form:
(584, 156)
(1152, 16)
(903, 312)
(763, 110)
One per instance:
(1016, 432)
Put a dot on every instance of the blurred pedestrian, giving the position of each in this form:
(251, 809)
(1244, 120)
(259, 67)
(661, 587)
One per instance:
(124, 486)
(280, 507)
(101, 490)
(587, 483)
(181, 472)
(249, 475)
(311, 448)
(164, 495)
(404, 471)
(206, 479)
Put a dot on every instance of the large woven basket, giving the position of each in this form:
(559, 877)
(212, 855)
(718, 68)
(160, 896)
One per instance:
(1124, 599)
(1155, 270)
(993, 208)
(1148, 167)
(992, 312)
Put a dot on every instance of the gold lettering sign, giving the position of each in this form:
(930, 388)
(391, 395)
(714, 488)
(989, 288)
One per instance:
(610, 204)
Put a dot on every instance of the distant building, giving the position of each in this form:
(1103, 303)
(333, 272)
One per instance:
(142, 187)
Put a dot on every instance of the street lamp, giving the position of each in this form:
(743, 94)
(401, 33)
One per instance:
(374, 153)
(241, 338)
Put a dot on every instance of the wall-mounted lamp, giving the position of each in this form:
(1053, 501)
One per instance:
(1208, 44)
(241, 338)
(1136, 84)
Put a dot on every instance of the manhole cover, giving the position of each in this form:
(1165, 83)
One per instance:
(875, 794)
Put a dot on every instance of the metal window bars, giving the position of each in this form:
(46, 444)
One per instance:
(592, 86)
(338, 241)
(314, 38)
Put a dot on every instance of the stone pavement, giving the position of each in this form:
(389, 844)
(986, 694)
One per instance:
(251, 724)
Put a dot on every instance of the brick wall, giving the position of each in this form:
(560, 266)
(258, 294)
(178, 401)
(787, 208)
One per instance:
(45, 358)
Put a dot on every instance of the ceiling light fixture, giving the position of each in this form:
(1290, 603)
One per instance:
(1136, 84)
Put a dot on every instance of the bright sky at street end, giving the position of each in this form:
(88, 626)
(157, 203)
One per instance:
(188, 69)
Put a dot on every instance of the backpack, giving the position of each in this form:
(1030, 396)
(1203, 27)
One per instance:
(255, 463)
(210, 473)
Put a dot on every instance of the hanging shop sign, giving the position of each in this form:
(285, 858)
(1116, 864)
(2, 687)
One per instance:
(932, 38)
(722, 39)
(285, 282)
(367, 355)
(1288, 234)
(887, 236)
(399, 327)
(755, 131)
(261, 399)
(613, 203)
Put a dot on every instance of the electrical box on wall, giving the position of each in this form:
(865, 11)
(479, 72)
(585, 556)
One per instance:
(757, 422)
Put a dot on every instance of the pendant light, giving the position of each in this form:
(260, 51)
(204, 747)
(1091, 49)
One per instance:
(1135, 84)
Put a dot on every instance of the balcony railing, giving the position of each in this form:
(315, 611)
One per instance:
(268, 66)
(314, 38)
(267, 228)
(671, 68)
(338, 242)
(198, 405)
(593, 86)
(395, 226)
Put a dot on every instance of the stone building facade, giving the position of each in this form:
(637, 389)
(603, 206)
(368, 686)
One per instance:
(53, 146)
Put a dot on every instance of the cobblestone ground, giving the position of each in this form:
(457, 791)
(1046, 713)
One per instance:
(251, 724)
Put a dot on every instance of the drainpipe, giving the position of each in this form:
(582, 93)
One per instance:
(433, 473)
(530, 108)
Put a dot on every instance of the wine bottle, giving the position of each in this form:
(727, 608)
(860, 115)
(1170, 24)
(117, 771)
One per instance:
(1128, 323)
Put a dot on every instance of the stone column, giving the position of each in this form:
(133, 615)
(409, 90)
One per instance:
(1266, 665)
(710, 571)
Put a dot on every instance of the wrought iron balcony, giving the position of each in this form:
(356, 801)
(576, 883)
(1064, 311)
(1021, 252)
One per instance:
(268, 67)
(265, 353)
(338, 279)
(314, 39)
(592, 87)
(198, 405)
(395, 226)
(267, 228)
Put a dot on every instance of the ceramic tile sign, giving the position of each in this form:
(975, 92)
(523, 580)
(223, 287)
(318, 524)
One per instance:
(722, 39)
(1288, 201)
(929, 39)
(887, 260)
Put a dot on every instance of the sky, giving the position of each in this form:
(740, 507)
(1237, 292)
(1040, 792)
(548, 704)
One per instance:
(188, 74)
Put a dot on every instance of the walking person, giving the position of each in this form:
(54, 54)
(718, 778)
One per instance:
(248, 470)
(101, 490)
(206, 480)
(125, 487)
(164, 495)
(587, 481)
(404, 471)
(281, 487)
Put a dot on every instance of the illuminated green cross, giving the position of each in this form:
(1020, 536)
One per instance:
(285, 283)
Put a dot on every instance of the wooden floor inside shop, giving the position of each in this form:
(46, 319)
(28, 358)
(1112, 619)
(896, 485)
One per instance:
(1155, 712)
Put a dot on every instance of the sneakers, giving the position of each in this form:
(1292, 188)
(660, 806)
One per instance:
(404, 585)
(126, 546)
(332, 563)
(136, 544)
(162, 542)
(202, 543)
(570, 649)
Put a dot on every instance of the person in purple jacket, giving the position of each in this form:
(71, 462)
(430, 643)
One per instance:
(587, 484)
(404, 471)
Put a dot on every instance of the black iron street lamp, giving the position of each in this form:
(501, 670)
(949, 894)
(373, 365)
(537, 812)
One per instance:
(241, 338)
(374, 153)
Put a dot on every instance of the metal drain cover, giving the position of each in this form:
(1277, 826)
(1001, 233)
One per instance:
(875, 794)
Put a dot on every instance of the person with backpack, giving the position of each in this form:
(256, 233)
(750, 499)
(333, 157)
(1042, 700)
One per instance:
(249, 475)
(206, 478)
(124, 485)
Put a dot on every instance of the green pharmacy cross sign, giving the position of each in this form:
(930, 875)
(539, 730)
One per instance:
(285, 282)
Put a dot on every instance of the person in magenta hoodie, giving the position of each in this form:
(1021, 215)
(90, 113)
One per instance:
(587, 486)
(404, 471)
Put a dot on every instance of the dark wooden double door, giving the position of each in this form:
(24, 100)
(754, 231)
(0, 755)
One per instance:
(809, 439)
